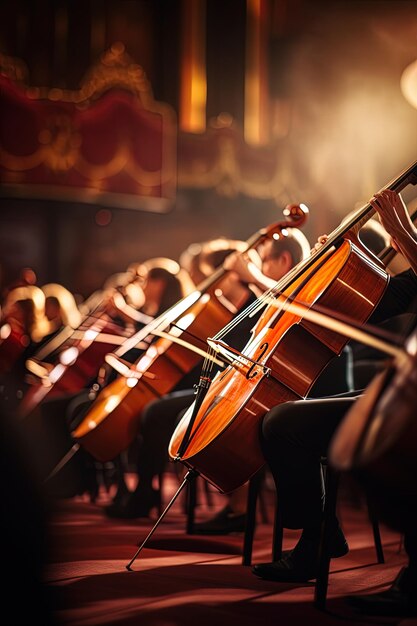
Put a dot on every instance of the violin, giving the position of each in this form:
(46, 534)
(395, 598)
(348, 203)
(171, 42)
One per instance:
(179, 346)
(219, 434)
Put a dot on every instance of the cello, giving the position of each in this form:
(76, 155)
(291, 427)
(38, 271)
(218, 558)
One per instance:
(20, 326)
(114, 418)
(377, 439)
(70, 359)
(284, 356)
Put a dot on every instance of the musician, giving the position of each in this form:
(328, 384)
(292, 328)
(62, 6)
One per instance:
(24, 323)
(295, 435)
(52, 421)
(261, 271)
(338, 377)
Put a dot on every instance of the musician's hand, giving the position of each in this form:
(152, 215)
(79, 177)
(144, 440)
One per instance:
(239, 263)
(320, 242)
(394, 217)
(392, 213)
(394, 245)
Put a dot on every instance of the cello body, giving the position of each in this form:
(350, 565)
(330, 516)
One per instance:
(70, 360)
(114, 418)
(73, 365)
(290, 353)
(377, 441)
(285, 350)
(125, 398)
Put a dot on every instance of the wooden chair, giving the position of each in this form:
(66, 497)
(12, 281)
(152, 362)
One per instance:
(331, 482)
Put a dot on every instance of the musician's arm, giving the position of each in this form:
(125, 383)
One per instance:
(247, 267)
(396, 221)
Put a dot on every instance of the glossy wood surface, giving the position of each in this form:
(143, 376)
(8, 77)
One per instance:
(379, 436)
(107, 431)
(295, 354)
(76, 375)
(112, 421)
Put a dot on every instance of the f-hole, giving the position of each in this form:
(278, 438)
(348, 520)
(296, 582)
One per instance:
(251, 373)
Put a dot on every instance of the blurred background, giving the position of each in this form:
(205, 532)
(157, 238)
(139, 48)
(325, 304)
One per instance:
(131, 129)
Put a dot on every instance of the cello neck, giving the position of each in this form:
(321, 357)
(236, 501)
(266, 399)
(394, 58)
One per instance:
(296, 216)
(352, 224)
(362, 215)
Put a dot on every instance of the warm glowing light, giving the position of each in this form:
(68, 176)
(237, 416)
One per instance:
(69, 356)
(408, 84)
(37, 368)
(119, 301)
(132, 382)
(135, 295)
(92, 424)
(193, 69)
(117, 364)
(90, 335)
(5, 331)
(56, 373)
(143, 363)
(255, 73)
(411, 345)
(183, 323)
(68, 306)
(111, 403)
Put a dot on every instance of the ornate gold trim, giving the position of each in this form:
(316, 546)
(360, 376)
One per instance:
(226, 174)
(60, 142)
(115, 69)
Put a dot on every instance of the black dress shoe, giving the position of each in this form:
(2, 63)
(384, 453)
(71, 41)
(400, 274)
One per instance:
(301, 563)
(399, 600)
(223, 523)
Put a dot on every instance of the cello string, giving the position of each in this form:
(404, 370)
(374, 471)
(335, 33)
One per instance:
(95, 314)
(264, 299)
(161, 322)
(357, 220)
(166, 318)
(186, 344)
(368, 334)
(330, 320)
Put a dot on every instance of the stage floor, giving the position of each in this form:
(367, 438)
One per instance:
(190, 580)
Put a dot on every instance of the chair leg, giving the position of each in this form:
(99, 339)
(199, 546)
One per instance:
(161, 492)
(263, 504)
(329, 512)
(375, 528)
(250, 521)
(191, 504)
(278, 534)
(208, 494)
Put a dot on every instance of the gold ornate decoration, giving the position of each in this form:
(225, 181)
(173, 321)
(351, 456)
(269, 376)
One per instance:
(61, 141)
(115, 69)
(218, 159)
(258, 172)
